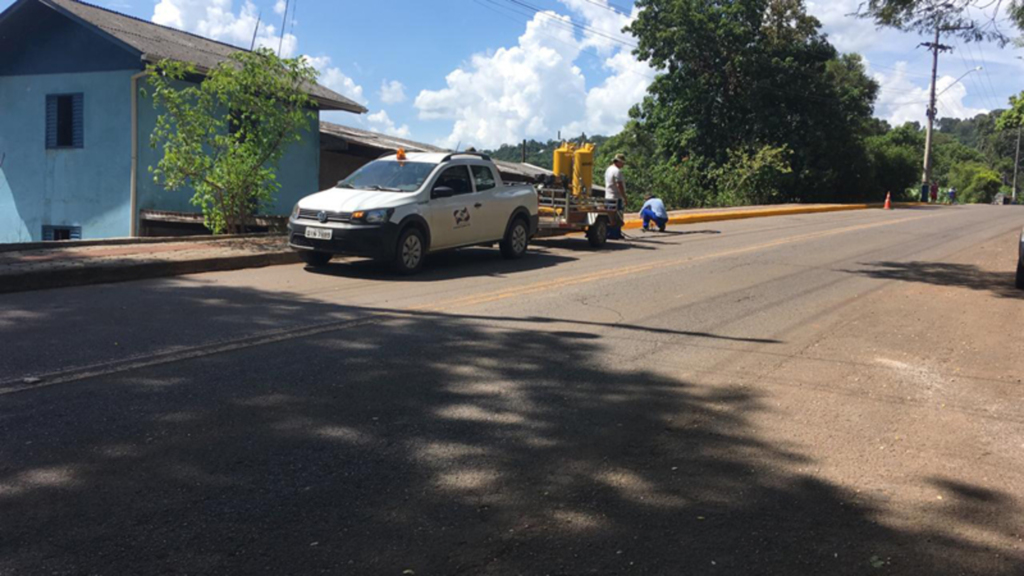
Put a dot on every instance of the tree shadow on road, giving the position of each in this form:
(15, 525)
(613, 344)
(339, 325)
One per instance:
(946, 274)
(438, 443)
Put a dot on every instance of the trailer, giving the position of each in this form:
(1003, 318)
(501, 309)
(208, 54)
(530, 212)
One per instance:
(566, 200)
(562, 212)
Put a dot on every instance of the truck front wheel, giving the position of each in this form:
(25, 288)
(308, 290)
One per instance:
(313, 258)
(410, 252)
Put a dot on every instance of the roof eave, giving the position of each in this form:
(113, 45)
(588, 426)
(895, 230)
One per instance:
(322, 103)
(330, 104)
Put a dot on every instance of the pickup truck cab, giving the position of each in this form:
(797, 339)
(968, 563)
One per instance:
(402, 206)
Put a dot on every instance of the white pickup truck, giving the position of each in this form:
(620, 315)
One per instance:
(403, 206)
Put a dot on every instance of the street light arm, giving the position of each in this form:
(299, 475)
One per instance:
(957, 81)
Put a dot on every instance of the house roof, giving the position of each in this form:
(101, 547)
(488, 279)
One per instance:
(375, 140)
(155, 42)
(384, 143)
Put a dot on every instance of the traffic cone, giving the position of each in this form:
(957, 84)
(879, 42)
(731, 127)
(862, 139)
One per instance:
(888, 201)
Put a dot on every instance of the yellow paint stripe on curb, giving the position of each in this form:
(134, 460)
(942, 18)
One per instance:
(781, 211)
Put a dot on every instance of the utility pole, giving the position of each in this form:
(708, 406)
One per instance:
(284, 24)
(1016, 163)
(252, 45)
(926, 175)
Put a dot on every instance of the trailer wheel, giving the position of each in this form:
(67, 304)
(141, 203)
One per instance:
(597, 233)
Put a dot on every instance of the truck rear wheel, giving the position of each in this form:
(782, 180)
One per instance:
(597, 233)
(517, 237)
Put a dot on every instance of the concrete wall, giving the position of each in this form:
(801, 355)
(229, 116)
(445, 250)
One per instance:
(298, 172)
(87, 187)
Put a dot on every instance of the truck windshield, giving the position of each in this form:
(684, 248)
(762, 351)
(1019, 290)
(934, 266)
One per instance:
(389, 175)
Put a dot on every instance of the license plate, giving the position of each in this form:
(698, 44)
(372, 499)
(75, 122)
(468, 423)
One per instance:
(318, 233)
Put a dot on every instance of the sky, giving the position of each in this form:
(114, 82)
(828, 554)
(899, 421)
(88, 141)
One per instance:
(486, 72)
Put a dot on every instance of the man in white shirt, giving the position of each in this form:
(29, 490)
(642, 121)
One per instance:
(615, 189)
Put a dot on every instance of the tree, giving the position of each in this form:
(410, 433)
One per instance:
(1014, 117)
(973, 19)
(975, 182)
(895, 161)
(224, 136)
(755, 75)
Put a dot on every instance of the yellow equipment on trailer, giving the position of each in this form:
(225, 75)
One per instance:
(566, 200)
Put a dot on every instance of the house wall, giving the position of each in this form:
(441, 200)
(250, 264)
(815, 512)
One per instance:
(88, 186)
(298, 171)
(39, 40)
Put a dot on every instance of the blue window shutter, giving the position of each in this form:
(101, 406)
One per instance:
(51, 121)
(77, 121)
(76, 232)
(47, 233)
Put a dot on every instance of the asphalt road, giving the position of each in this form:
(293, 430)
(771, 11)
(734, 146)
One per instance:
(821, 394)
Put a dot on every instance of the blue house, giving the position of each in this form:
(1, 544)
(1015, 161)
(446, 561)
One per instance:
(74, 127)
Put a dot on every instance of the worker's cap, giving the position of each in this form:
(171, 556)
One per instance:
(620, 158)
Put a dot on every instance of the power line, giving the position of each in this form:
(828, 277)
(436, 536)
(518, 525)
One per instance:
(988, 77)
(983, 89)
(975, 82)
(500, 9)
(295, 10)
(583, 27)
(610, 7)
(981, 54)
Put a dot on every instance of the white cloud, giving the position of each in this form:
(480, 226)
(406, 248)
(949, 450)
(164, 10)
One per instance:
(333, 78)
(847, 32)
(217, 19)
(604, 25)
(607, 105)
(526, 91)
(381, 122)
(280, 7)
(392, 92)
(535, 88)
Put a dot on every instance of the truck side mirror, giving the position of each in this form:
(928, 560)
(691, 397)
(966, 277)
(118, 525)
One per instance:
(442, 192)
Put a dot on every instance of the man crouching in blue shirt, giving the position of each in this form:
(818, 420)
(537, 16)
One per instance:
(654, 210)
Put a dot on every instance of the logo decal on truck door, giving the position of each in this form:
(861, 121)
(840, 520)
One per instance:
(461, 217)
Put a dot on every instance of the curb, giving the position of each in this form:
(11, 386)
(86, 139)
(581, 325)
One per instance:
(24, 246)
(122, 273)
(744, 214)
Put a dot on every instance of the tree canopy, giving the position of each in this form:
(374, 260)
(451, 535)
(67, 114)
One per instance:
(972, 20)
(747, 82)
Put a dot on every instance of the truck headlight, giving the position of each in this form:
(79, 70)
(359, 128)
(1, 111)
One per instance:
(372, 216)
